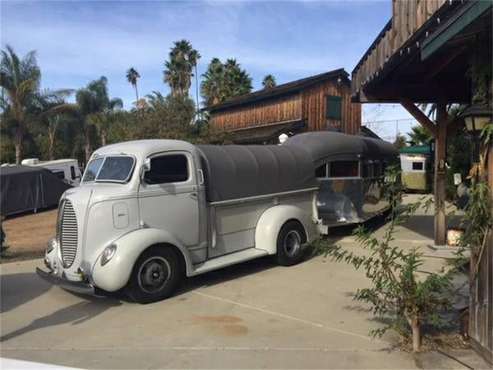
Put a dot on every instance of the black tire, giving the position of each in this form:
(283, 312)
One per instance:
(289, 243)
(155, 276)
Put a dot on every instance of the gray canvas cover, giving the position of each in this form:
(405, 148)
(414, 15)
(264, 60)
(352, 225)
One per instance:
(26, 188)
(240, 171)
(327, 145)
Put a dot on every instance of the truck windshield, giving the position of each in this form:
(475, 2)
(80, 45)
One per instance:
(109, 169)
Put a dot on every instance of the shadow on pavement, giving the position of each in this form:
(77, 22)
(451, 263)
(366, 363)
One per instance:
(74, 314)
(21, 288)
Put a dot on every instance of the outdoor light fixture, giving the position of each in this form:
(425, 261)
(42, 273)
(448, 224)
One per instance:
(477, 117)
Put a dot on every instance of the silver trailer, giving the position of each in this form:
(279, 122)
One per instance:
(350, 170)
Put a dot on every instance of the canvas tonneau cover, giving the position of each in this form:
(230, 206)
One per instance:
(326, 145)
(25, 188)
(241, 171)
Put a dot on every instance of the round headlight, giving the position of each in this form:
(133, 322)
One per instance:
(108, 254)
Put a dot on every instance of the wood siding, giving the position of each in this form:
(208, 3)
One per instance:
(407, 17)
(258, 114)
(315, 105)
(308, 106)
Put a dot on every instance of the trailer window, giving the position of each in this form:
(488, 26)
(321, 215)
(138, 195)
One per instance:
(72, 172)
(344, 169)
(417, 166)
(167, 169)
(59, 174)
(321, 171)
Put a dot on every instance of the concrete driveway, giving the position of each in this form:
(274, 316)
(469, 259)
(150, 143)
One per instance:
(255, 315)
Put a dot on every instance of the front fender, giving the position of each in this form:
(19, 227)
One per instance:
(271, 221)
(115, 274)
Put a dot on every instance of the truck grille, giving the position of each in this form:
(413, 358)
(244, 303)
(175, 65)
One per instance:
(68, 233)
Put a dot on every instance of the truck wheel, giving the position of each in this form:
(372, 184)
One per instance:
(289, 243)
(155, 275)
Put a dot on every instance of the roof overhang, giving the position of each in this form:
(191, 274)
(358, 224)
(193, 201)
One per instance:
(433, 63)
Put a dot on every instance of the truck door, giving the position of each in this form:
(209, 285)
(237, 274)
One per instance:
(168, 196)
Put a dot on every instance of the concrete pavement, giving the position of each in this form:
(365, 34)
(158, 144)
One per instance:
(253, 315)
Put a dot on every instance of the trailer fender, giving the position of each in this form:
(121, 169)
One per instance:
(115, 273)
(271, 221)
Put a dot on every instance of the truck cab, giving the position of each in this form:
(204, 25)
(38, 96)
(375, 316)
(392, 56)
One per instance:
(148, 213)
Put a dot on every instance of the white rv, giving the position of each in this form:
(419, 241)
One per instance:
(148, 213)
(66, 169)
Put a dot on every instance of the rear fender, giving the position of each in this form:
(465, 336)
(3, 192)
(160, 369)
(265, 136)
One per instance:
(114, 274)
(274, 218)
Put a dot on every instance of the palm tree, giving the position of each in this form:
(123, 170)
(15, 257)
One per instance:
(237, 80)
(104, 119)
(178, 71)
(132, 77)
(212, 86)
(419, 135)
(224, 81)
(93, 100)
(269, 82)
(19, 79)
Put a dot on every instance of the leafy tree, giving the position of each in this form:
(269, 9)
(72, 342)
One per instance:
(236, 80)
(178, 71)
(132, 77)
(20, 79)
(269, 82)
(419, 135)
(397, 294)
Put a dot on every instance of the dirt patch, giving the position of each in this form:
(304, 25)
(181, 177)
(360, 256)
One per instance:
(27, 235)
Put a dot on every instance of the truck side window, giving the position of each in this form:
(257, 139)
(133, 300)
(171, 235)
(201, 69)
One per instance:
(321, 171)
(344, 169)
(167, 168)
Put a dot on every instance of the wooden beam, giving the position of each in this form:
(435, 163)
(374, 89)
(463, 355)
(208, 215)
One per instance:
(419, 116)
(440, 174)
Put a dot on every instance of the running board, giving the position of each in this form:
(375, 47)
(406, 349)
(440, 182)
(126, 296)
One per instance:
(228, 260)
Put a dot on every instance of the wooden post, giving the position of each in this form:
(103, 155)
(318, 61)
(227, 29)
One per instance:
(440, 175)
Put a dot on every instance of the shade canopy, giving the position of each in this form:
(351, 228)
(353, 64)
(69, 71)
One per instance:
(240, 171)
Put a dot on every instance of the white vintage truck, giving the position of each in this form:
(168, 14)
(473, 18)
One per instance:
(148, 213)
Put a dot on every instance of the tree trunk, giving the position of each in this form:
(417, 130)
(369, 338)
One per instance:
(416, 330)
(87, 145)
(18, 147)
(103, 138)
(136, 96)
(51, 145)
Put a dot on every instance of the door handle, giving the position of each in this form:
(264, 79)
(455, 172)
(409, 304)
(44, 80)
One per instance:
(193, 195)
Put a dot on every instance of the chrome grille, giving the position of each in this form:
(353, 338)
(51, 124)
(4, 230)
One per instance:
(68, 233)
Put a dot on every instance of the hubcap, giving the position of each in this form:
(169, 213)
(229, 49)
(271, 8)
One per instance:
(292, 243)
(153, 274)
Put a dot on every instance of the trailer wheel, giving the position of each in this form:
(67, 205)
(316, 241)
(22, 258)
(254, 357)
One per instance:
(289, 243)
(155, 275)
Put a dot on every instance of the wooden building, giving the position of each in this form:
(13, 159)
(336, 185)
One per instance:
(425, 54)
(321, 102)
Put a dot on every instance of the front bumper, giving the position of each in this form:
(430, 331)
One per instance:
(74, 286)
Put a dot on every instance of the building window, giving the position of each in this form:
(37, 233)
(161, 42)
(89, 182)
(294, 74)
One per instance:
(333, 108)
(344, 169)
(167, 169)
(417, 166)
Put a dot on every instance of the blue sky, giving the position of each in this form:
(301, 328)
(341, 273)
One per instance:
(78, 41)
